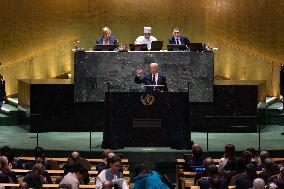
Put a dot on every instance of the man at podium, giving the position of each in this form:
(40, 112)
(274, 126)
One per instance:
(154, 82)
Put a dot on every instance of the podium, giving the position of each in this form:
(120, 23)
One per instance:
(138, 119)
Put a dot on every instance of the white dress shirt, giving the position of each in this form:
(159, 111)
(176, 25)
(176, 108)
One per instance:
(156, 78)
(101, 178)
(72, 180)
(177, 40)
(143, 40)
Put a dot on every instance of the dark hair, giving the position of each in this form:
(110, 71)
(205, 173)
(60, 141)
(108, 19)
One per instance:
(253, 151)
(33, 180)
(247, 155)
(241, 165)
(250, 169)
(140, 168)
(38, 152)
(213, 170)
(7, 152)
(215, 182)
(78, 168)
(230, 151)
(115, 159)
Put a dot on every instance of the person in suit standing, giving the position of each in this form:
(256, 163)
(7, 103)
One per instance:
(177, 38)
(153, 78)
(2, 91)
(107, 39)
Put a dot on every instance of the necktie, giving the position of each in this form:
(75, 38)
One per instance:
(177, 41)
(153, 79)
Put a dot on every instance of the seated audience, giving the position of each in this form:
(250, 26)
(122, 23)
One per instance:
(270, 169)
(112, 177)
(262, 156)
(247, 155)
(107, 155)
(145, 178)
(255, 156)
(258, 183)
(72, 168)
(6, 169)
(196, 159)
(40, 158)
(278, 179)
(246, 181)
(76, 158)
(240, 170)
(208, 161)
(8, 152)
(3, 178)
(228, 162)
(205, 182)
(74, 177)
(37, 176)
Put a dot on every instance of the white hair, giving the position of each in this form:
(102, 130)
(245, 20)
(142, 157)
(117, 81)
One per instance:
(154, 64)
(105, 29)
(258, 183)
(272, 185)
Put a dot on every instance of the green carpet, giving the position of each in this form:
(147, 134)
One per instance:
(17, 137)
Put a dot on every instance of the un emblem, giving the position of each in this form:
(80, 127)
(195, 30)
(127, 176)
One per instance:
(147, 99)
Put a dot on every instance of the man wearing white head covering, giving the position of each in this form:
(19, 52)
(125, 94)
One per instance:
(146, 38)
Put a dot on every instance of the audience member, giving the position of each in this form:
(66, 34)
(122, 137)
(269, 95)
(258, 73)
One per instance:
(272, 186)
(74, 177)
(240, 170)
(278, 179)
(8, 152)
(263, 155)
(255, 156)
(258, 183)
(112, 176)
(197, 157)
(145, 178)
(246, 181)
(107, 155)
(76, 158)
(37, 176)
(270, 169)
(207, 161)
(205, 182)
(6, 168)
(40, 158)
(228, 162)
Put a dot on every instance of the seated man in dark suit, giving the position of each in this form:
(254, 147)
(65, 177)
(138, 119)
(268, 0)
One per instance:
(246, 181)
(177, 39)
(107, 39)
(154, 78)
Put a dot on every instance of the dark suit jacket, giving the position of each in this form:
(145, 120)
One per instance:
(147, 80)
(183, 40)
(112, 40)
